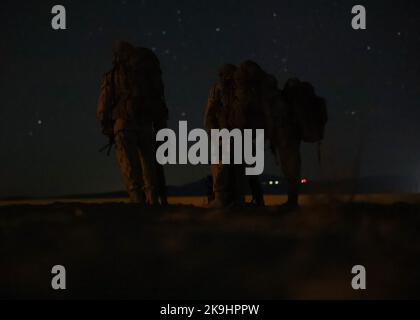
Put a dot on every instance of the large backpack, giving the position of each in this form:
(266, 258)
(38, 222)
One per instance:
(146, 79)
(133, 90)
(246, 107)
(309, 109)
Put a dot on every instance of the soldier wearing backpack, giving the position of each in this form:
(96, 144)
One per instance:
(233, 104)
(216, 116)
(293, 115)
(130, 108)
(246, 113)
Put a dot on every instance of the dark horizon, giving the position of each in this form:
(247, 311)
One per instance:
(361, 185)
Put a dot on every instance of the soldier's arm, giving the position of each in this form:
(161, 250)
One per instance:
(105, 104)
(100, 106)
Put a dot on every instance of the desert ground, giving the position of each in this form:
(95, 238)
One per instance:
(113, 249)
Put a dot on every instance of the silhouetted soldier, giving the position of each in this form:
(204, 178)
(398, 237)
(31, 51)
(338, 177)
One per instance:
(216, 116)
(246, 113)
(234, 104)
(130, 108)
(293, 115)
(257, 192)
(209, 189)
(284, 136)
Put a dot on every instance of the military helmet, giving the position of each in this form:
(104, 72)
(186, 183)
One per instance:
(122, 51)
(248, 72)
(226, 71)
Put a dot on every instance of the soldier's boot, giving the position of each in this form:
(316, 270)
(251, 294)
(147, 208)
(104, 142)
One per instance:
(237, 200)
(291, 165)
(292, 200)
(237, 196)
(237, 181)
(292, 203)
(256, 191)
(259, 200)
(221, 182)
(161, 180)
(221, 201)
(137, 196)
(152, 198)
(163, 199)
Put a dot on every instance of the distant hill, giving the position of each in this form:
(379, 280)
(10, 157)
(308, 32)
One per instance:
(273, 184)
(277, 185)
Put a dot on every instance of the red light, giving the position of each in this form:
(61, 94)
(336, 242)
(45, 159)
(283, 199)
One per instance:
(304, 181)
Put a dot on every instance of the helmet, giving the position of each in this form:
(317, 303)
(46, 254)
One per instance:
(248, 72)
(122, 51)
(227, 71)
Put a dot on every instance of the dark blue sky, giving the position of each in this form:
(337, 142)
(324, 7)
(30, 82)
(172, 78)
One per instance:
(49, 138)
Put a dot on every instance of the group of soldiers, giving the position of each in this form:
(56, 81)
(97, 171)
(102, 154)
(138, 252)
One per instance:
(245, 96)
(132, 109)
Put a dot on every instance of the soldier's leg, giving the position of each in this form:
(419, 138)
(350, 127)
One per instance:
(256, 190)
(161, 185)
(290, 160)
(209, 185)
(220, 173)
(237, 182)
(221, 185)
(130, 165)
(161, 180)
(237, 179)
(146, 151)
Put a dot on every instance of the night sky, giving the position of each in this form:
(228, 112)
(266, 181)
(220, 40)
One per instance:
(49, 136)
